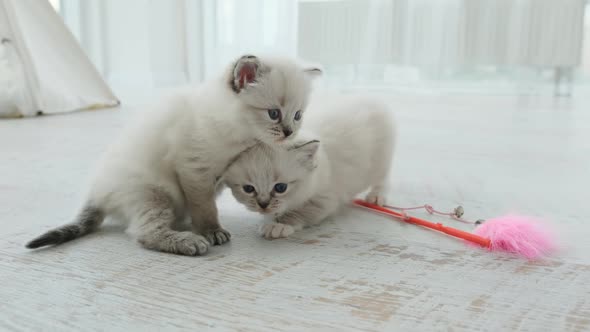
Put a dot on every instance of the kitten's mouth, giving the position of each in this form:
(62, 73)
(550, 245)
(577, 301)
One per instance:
(264, 211)
(277, 135)
(283, 139)
(261, 210)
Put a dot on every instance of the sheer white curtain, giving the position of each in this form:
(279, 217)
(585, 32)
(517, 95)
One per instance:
(412, 42)
(146, 44)
(255, 26)
(443, 32)
(162, 43)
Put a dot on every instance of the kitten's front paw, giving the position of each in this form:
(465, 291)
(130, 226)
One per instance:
(186, 243)
(218, 236)
(375, 198)
(276, 231)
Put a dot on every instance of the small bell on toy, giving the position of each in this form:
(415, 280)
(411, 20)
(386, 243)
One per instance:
(458, 211)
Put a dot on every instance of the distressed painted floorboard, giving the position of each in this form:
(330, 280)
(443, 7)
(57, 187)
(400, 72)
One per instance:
(357, 271)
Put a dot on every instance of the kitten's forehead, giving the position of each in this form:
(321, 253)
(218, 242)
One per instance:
(264, 166)
(253, 164)
(293, 86)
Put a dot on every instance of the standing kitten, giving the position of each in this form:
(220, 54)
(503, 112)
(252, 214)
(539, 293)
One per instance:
(167, 168)
(303, 182)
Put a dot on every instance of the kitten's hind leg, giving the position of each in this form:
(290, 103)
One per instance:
(376, 195)
(152, 226)
(382, 155)
(203, 211)
(380, 177)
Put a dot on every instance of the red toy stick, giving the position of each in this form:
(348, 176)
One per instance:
(521, 235)
(482, 241)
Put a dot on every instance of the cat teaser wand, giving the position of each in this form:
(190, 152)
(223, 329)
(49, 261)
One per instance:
(519, 235)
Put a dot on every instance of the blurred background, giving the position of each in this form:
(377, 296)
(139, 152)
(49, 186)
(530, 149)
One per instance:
(508, 47)
(137, 48)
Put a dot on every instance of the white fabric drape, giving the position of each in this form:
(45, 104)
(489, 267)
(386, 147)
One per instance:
(443, 32)
(14, 95)
(161, 43)
(143, 43)
(43, 69)
(259, 26)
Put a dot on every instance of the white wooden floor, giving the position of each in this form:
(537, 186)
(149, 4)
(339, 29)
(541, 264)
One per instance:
(358, 272)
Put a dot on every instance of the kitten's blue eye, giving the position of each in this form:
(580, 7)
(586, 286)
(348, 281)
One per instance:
(274, 114)
(298, 116)
(248, 189)
(280, 187)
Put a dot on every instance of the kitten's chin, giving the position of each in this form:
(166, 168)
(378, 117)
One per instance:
(270, 140)
(261, 211)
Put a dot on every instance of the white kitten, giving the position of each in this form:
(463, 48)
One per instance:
(303, 182)
(167, 168)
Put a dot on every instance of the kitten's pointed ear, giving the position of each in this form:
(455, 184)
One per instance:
(306, 153)
(313, 71)
(245, 72)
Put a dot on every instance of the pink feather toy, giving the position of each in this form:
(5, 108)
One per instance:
(523, 236)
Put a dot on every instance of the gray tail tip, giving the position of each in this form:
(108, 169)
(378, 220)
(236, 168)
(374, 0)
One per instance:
(42, 241)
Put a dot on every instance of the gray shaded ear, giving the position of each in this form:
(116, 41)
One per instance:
(306, 153)
(246, 71)
(313, 72)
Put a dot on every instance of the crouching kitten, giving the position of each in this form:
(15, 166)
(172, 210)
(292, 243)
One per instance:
(305, 181)
(165, 170)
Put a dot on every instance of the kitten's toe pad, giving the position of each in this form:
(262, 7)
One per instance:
(375, 198)
(218, 237)
(276, 231)
(188, 243)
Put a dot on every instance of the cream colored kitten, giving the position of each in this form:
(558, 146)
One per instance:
(303, 182)
(167, 168)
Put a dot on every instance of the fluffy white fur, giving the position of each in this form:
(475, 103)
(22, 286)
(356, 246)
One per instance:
(348, 150)
(166, 169)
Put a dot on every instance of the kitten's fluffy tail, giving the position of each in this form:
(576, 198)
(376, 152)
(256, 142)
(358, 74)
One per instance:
(87, 221)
